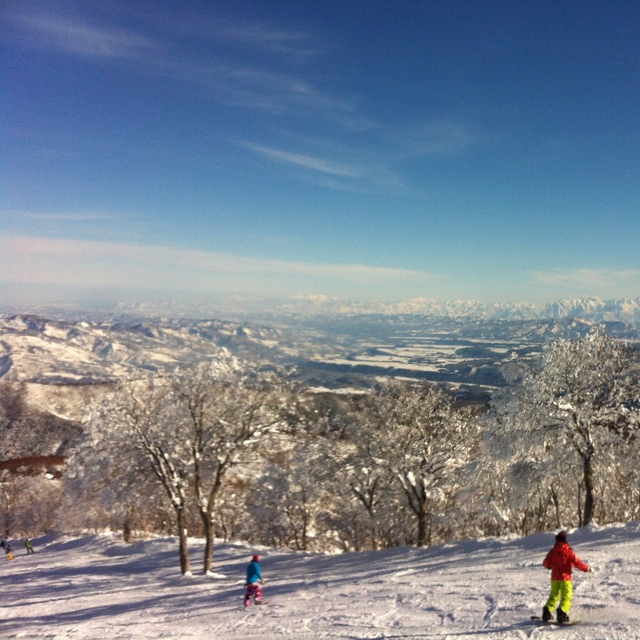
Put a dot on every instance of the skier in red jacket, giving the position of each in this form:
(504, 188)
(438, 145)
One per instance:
(561, 560)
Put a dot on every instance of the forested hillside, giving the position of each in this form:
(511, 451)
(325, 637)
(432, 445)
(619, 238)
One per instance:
(233, 450)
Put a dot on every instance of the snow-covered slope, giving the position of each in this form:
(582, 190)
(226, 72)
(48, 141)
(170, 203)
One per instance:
(96, 587)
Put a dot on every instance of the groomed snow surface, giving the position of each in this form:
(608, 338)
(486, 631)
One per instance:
(98, 587)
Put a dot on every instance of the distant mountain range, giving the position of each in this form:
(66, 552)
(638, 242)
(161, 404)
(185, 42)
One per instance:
(587, 308)
(237, 309)
(37, 349)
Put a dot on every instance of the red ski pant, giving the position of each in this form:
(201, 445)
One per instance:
(254, 590)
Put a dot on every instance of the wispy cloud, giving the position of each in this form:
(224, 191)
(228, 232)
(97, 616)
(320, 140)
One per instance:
(363, 174)
(435, 136)
(96, 265)
(87, 40)
(280, 93)
(308, 162)
(21, 214)
(589, 281)
(224, 77)
(297, 44)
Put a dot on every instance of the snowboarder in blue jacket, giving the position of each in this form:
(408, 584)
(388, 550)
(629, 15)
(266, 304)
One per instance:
(254, 582)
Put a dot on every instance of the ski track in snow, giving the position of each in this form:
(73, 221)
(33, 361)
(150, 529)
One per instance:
(96, 587)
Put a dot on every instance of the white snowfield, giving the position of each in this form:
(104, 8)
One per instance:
(97, 587)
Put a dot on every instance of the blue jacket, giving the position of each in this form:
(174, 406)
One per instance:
(254, 573)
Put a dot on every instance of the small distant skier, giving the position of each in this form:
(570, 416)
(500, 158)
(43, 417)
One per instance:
(8, 551)
(254, 582)
(28, 545)
(561, 560)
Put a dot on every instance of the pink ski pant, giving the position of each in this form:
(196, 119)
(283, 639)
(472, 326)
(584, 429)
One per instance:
(254, 590)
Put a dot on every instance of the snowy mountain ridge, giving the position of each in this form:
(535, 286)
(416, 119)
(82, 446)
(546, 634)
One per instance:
(35, 349)
(595, 309)
(587, 308)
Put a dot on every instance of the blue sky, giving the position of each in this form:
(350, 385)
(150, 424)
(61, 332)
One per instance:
(366, 149)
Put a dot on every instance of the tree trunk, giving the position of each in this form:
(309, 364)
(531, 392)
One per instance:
(185, 561)
(126, 529)
(373, 529)
(524, 523)
(556, 504)
(589, 497)
(422, 526)
(209, 534)
(306, 517)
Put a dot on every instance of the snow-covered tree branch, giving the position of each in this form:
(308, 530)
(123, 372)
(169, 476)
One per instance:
(414, 434)
(571, 406)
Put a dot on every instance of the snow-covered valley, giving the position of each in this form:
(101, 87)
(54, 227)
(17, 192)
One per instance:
(66, 364)
(95, 587)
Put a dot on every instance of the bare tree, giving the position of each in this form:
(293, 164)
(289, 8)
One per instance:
(137, 429)
(225, 412)
(190, 429)
(366, 482)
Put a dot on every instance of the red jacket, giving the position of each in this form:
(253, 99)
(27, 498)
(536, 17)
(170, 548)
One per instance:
(561, 559)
